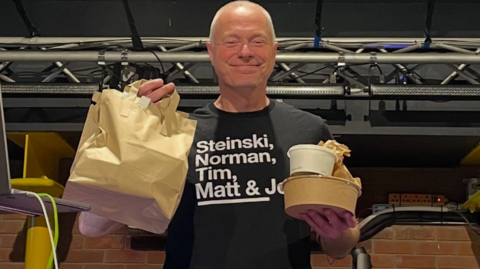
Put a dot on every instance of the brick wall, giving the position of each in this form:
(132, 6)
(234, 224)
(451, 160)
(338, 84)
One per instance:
(395, 247)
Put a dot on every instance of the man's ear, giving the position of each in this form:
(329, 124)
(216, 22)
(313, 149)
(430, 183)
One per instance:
(209, 49)
(275, 47)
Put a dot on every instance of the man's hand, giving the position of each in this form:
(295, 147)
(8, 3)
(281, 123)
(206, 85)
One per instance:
(330, 225)
(155, 89)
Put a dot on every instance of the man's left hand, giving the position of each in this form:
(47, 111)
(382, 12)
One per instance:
(330, 225)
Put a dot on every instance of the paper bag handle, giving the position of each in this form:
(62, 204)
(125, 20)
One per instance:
(130, 94)
(96, 97)
(171, 106)
(133, 88)
(169, 103)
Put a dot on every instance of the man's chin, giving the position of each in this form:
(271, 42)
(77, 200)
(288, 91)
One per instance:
(245, 86)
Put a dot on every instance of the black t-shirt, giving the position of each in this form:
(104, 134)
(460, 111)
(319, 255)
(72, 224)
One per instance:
(232, 215)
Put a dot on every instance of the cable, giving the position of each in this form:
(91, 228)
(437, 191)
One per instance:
(379, 69)
(32, 30)
(55, 218)
(45, 213)
(428, 23)
(161, 64)
(136, 40)
(468, 222)
(373, 224)
(359, 215)
(318, 24)
(310, 73)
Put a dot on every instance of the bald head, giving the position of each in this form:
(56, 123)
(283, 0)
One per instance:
(241, 8)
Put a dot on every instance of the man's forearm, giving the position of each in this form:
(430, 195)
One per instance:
(91, 225)
(339, 248)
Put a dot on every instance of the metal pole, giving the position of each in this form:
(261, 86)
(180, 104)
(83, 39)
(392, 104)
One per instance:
(351, 80)
(289, 71)
(452, 48)
(203, 57)
(186, 47)
(65, 70)
(182, 69)
(454, 74)
(280, 76)
(403, 68)
(42, 41)
(407, 49)
(296, 47)
(5, 78)
(463, 74)
(5, 64)
(335, 48)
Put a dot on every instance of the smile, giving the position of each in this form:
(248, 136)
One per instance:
(246, 69)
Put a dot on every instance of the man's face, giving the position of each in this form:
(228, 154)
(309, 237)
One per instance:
(243, 52)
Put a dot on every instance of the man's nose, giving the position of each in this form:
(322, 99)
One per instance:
(245, 52)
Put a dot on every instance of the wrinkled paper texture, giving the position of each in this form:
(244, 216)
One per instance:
(132, 161)
(339, 169)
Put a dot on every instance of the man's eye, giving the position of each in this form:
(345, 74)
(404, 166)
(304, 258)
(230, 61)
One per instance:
(231, 43)
(258, 42)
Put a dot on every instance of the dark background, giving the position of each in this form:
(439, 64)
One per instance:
(160, 18)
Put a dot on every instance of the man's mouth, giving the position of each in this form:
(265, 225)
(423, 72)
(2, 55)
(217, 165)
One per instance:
(246, 69)
(246, 65)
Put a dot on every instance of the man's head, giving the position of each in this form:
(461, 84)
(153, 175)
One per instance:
(242, 45)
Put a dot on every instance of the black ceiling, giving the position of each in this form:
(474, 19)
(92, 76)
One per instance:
(360, 18)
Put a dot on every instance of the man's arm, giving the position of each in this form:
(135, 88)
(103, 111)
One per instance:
(341, 247)
(91, 225)
(338, 232)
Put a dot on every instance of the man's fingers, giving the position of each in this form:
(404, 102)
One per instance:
(320, 232)
(322, 222)
(349, 219)
(334, 220)
(337, 225)
(158, 94)
(149, 86)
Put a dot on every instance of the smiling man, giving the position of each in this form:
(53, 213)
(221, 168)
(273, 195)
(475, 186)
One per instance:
(231, 215)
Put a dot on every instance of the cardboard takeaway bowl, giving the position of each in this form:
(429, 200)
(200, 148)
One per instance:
(315, 192)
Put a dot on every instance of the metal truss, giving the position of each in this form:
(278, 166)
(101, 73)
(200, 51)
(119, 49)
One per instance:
(354, 62)
(361, 86)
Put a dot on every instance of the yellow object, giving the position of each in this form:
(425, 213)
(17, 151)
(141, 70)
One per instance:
(38, 247)
(472, 158)
(43, 152)
(38, 185)
(473, 203)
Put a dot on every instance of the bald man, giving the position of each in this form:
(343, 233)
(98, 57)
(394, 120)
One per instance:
(231, 215)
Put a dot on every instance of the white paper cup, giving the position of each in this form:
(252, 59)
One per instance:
(311, 159)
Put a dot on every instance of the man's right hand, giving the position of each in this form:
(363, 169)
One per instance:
(155, 89)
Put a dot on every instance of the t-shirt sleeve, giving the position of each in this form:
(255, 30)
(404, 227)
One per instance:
(326, 132)
(322, 130)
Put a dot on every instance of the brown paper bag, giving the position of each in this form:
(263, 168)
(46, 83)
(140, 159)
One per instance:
(339, 169)
(131, 163)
